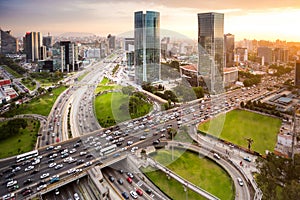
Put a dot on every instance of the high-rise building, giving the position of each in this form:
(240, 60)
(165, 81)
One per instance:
(147, 46)
(69, 56)
(128, 44)
(229, 49)
(281, 55)
(32, 46)
(48, 41)
(8, 43)
(297, 74)
(211, 50)
(265, 53)
(241, 54)
(111, 41)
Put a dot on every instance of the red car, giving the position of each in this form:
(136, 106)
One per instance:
(139, 192)
(129, 180)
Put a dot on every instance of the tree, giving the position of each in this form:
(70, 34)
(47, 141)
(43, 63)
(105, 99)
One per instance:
(199, 92)
(249, 141)
(128, 90)
(242, 104)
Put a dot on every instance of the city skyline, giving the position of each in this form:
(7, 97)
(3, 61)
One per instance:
(268, 20)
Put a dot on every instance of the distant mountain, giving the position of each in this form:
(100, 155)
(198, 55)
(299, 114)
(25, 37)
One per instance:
(76, 34)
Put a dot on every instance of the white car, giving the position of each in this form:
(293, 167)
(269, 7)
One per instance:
(36, 161)
(133, 194)
(87, 164)
(70, 171)
(76, 196)
(82, 153)
(52, 165)
(57, 147)
(29, 168)
(53, 155)
(44, 175)
(72, 151)
(41, 187)
(59, 166)
(11, 183)
(240, 181)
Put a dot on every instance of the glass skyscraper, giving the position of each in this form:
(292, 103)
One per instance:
(211, 50)
(147, 46)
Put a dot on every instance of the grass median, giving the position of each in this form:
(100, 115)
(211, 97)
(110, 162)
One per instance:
(240, 125)
(200, 171)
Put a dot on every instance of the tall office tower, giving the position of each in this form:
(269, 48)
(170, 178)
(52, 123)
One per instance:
(241, 54)
(48, 41)
(69, 56)
(280, 55)
(111, 42)
(265, 52)
(147, 46)
(128, 44)
(297, 74)
(8, 43)
(229, 49)
(43, 53)
(211, 50)
(32, 46)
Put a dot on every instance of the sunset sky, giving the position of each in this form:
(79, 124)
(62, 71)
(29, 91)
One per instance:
(255, 19)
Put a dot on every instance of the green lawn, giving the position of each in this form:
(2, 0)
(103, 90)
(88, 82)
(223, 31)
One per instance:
(27, 137)
(104, 85)
(41, 105)
(171, 187)
(200, 171)
(108, 108)
(82, 76)
(28, 83)
(238, 125)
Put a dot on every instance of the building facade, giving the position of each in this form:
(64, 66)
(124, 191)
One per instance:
(8, 43)
(229, 49)
(69, 56)
(266, 54)
(147, 46)
(297, 74)
(48, 41)
(241, 54)
(32, 46)
(211, 50)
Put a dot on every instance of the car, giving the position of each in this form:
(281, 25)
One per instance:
(121, 171)
(133, 194)
(139, 192)
(59, 166)
(53, 155)
(18, 168)
(78, 170)
(64, 155)
(11, 183)
(50, 160)
(240, 181)
(8, 196)
(13, 188)
(45, 175)
(52, 165)
(27, 192)
(82, 153)
(50, 148)
(72, 151)
(72, 170)
(129, 174)
(120, 181)
(217, 156)
(27, 181)
(129, 143)
(56, 191)
(57, 147)
(54, 179)
(111, 178)
(36, 161)
(125, 195)
(129, 180)
(142, 137)
(41, 187)
(149, 191)
(79, 162)
(76, 196)
(29, 168)
(247, 159)
(87, 164)
(155, 142)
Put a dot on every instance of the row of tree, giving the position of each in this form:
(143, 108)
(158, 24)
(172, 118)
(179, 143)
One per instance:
(249, 79)
(261, 107)
(11, 64)
(280, 70)
(12, 127)
(279, 177)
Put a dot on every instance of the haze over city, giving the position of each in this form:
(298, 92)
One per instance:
(269, 19)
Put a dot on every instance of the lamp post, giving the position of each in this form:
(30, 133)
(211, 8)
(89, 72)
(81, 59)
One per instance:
(186, 192)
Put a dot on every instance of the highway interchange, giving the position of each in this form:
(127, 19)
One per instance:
(80, 98)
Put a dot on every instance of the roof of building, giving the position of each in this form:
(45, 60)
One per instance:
(189, 68)
(285, 100)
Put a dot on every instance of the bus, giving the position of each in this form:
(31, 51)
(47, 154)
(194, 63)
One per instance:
(26, 156)
(108, 149)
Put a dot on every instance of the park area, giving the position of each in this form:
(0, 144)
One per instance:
(200, 171)
(113, 106)
(238, 126)
(21, 142)
(39, 105)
